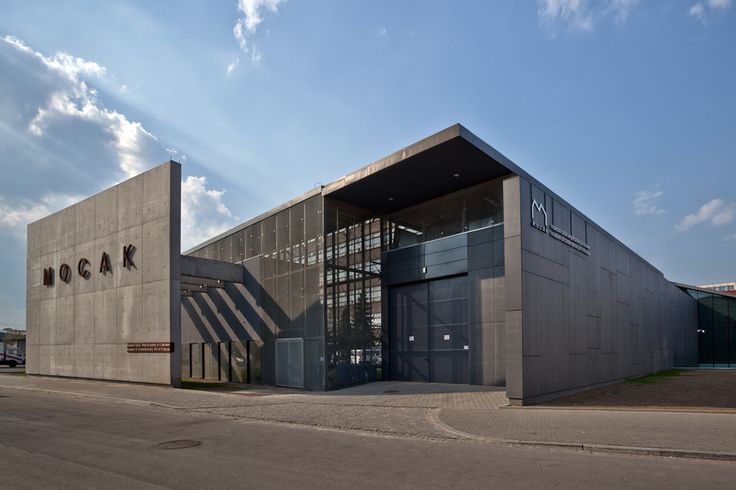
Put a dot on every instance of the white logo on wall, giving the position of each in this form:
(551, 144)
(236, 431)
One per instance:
(539, 212)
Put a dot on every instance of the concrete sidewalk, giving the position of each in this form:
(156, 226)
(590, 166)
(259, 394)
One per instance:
(690, 434)
(435, 411)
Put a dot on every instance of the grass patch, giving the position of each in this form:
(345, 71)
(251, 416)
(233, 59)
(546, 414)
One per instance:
(657, 377)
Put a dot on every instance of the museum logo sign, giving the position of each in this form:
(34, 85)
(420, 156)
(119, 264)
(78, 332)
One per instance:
(540, 221)
(83, 267)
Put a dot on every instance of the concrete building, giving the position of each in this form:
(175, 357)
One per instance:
(443, 262)
(721, 287)
(103, 290)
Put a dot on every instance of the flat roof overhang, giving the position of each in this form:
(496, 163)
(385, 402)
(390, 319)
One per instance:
(445, 162)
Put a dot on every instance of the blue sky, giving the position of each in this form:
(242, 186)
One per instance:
(625, 108)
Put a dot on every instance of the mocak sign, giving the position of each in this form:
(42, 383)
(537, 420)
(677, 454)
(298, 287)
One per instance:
(83, 267)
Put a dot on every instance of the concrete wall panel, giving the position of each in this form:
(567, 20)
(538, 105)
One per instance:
(105, 279)
(65, 320)
(129, 304)
(85, 220)
(133, 273)
(85, 284)
(106, 212)
(155, 246)
(67, 233)
(84, 319)
(82, 328)
(130, 203)
(84, 360)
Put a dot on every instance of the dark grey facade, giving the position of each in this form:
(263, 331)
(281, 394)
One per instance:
(443, 262)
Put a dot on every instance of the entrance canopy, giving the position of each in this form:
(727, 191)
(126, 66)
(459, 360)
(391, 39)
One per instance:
(445, 162)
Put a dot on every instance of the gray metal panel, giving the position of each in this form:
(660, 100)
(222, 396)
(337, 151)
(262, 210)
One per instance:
(211, 361)
(430, 260)
(197, 359)
(290, 362)
(587, 318)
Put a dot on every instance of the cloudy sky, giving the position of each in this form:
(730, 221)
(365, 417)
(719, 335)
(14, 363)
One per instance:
(624, 107)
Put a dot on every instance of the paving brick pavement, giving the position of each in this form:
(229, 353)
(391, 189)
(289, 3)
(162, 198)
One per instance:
(411, 422)
(384, 407)
(691, 431)
(384, 394)
(421, 410)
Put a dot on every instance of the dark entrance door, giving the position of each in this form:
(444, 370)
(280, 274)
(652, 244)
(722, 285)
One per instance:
(429, 331)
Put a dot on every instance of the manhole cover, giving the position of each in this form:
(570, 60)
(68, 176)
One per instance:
(390, 392)
(181, 444)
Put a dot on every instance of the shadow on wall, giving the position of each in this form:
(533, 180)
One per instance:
(247, 312)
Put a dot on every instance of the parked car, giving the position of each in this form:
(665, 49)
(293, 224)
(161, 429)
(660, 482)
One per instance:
(11, 356)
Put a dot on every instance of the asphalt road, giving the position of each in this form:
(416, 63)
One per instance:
(50, 440)
(8, 370)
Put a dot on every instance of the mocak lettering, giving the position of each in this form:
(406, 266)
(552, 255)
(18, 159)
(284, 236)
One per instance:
(82, 268)
(127, 254)
(65, 271)
(105, 263)
(48, 277)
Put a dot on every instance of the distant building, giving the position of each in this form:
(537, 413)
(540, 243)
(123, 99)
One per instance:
(722, 287)
(14, 338)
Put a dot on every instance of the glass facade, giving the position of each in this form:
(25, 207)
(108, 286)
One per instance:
(354, 241)
(321, 274)
(467, 210)
(716, 329)
(353, 295)
(289, 243)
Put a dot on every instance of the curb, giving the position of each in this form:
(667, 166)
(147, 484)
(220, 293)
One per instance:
(433, 418)
(128, 401)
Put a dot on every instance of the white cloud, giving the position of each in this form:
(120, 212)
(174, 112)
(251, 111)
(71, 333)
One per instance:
(203, 212)
(76, 99)
(14, 217)
(574, 13)
(176, 155)
(719, 4)
(704, 10)
(730, 237)
(231, 67)
(251, 13)
(644, 204)
(21, 215)
(698, 11)
(715, 212)
(620, 9)
(581, 15)
(60, 143)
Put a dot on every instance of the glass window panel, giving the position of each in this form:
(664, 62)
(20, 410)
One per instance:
(720, 312)
(239, 246)
(253, 240)
(720, 347)
(465, 210)
(268, 235)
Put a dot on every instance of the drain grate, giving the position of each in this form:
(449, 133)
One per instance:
(180, 444)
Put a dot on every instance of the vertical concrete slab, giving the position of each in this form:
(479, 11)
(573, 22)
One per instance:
(513, 289)
(82, 326)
